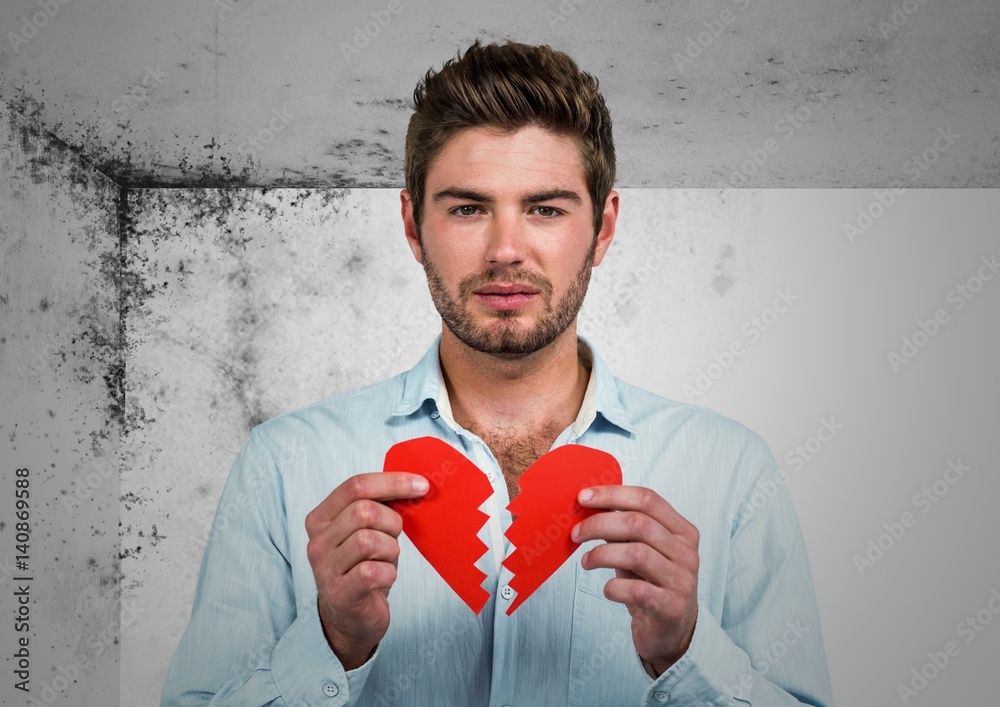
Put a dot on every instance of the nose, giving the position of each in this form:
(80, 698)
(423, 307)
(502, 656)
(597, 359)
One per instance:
(506, 238)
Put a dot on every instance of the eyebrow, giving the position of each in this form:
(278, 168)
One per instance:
(472, 195)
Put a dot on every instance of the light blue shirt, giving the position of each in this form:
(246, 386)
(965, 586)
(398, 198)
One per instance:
(255, 637)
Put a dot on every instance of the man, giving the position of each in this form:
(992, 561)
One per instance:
(681, 592)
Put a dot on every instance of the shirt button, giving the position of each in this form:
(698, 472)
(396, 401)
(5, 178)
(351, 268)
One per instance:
(435, 415)
(661, 696)
(506, 592)
(331, 690)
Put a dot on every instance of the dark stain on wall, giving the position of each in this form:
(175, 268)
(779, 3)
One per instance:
(204, 166)
(394, 103)
(78, 546)
(100, 343)
(723, 280)
(333, 199)
(154, 536)
(45, 151)
(383, 162)
(222, 219)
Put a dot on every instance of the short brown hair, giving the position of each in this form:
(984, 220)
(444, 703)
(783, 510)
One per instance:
(509, 87)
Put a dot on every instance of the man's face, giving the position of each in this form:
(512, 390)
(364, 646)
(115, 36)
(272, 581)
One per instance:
(507, 238)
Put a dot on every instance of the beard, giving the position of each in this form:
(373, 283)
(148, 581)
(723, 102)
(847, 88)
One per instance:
(505, 334)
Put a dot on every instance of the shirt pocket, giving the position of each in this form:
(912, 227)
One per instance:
(604, 667)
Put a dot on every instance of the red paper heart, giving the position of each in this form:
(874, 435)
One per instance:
(547, 510)
(444, 523)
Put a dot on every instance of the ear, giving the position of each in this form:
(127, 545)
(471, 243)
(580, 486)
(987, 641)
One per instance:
(608, 220)
(410, 226)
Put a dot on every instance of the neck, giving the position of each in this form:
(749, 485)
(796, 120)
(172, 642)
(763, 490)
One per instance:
(526, 392)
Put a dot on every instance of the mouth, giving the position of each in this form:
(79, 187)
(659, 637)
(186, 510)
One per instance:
(506, 290)
(506, 297)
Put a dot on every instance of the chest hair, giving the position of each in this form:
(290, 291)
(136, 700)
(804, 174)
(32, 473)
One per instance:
(516, 450)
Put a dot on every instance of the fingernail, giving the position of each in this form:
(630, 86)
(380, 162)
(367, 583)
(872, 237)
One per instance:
(421, 484)
(575, 533)
(586, 495)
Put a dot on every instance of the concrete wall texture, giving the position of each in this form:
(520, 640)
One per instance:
(272, 92)
(145, 330)
(320, 295)
(61, 383)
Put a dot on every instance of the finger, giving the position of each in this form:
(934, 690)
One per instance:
(361, 514)
(378, 486)
(364, 545)
(639, 498)
(633, 526)
(637, 558)
(639, 594)
(670, 609)
(363, 579)
(324, 547)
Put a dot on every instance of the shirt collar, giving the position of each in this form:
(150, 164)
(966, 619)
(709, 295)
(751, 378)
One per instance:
(424, 381)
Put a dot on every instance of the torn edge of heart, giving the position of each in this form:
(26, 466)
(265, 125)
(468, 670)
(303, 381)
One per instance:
(547, 509)
(444, 523)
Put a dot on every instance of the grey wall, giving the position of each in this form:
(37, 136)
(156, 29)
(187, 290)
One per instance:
(148, 329)
(61, 385)
(265, 301)
(236, 305)
(263, 92)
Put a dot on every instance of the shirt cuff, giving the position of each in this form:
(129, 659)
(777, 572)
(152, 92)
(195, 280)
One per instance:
(306, 670)
(708, 673)
(647, 666)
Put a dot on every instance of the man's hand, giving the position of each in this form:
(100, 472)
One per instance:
(654, 552)
(353, 550)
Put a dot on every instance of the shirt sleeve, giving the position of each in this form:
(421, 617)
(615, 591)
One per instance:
(766, 648)
(247, 644)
